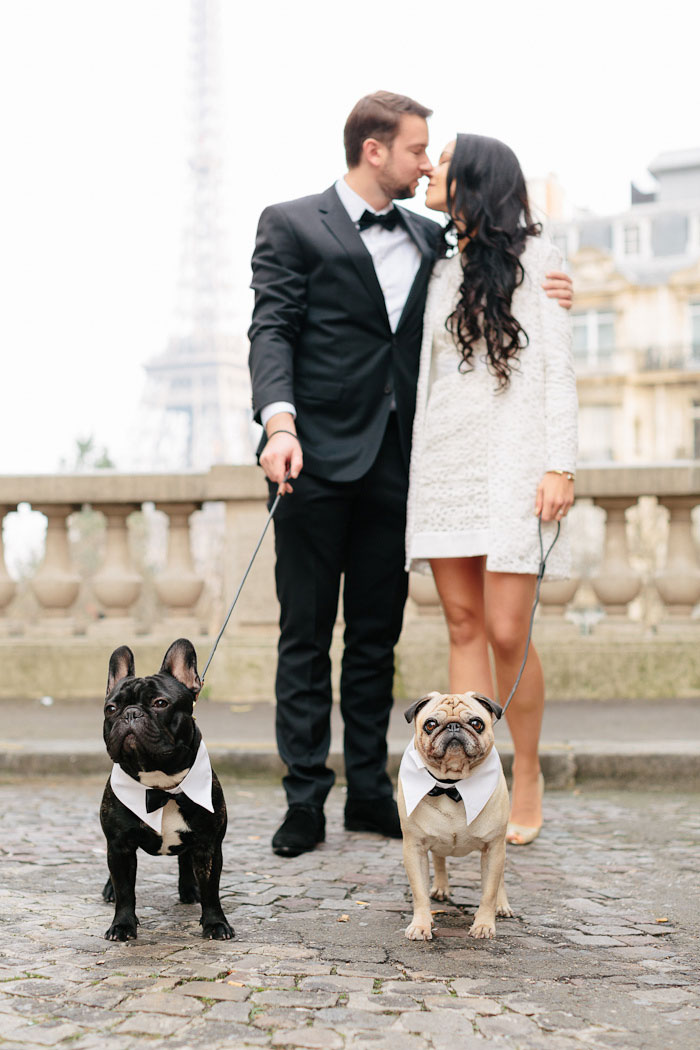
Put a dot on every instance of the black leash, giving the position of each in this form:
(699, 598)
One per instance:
(273, 508)
(540, 575)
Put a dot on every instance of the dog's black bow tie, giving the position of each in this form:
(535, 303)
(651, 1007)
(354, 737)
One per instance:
(451, 792)
(370, 218)
(156, 798)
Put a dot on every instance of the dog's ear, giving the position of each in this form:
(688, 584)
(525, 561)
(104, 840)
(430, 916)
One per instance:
(411, 712)
(490, 705)
(121, 665)
(180, 661)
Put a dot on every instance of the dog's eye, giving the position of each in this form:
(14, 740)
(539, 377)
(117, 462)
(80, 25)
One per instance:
(477, 724)
(160, 701)
(429, 725)
(110, 709)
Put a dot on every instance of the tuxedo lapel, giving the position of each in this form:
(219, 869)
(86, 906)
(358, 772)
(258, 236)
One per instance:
(427, 260)
(336, 219)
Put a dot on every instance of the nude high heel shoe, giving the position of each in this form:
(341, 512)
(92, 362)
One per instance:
(521, 834)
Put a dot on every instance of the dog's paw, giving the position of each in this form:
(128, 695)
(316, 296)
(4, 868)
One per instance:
(439, 893)
(108, 891)
(504, 910)
(190, 895)
(482, 930)
(219, 930)
(418, 931)
(121, 931)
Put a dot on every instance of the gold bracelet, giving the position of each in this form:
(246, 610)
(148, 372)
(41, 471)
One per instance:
(564, 473)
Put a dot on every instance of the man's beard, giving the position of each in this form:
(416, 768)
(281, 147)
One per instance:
(395, 191)
(402, 193)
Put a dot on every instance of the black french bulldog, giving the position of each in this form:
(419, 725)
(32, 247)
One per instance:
(150, 732)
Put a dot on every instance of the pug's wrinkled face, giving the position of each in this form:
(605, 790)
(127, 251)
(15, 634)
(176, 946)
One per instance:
(453, 732)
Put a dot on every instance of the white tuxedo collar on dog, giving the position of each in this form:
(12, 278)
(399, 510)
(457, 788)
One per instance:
(196, 785)
(475, 790)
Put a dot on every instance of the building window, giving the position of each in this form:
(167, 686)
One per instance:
(695, 331)
(631, 241)
(596, 234)
(596, 433)
(695, 416)
(669, 234)
(594, 338)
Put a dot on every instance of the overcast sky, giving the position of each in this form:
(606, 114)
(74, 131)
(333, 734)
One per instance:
(93, 102)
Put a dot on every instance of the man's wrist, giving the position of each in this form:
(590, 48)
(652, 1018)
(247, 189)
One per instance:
(292, 433)
(276, 408)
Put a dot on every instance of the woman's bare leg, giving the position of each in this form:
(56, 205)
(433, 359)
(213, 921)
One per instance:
(508, 605)
(460, 584)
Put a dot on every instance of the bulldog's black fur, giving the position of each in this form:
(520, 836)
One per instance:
(149, 728)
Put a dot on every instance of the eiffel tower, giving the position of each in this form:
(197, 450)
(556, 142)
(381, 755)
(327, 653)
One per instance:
(195, 409)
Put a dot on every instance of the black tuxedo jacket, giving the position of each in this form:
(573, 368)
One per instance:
(320, 335)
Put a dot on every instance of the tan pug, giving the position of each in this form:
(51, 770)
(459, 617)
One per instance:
(453, 738)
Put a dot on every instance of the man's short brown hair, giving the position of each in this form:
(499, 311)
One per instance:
(377, 116)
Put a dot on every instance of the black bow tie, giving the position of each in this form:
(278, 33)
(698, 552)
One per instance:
(156, 798)
(388, 220)
(451, 792)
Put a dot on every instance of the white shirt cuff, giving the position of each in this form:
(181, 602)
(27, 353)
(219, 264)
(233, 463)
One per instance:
(268, 411)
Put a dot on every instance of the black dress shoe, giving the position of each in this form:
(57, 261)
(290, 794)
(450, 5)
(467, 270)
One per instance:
(380, 815)
(300, 831)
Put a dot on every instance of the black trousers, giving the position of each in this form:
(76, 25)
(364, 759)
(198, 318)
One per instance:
(324, 530)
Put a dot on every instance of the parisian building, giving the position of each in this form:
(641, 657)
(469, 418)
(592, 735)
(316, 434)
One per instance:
(637, 318)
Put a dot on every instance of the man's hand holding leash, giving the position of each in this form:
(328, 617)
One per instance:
(282, 456)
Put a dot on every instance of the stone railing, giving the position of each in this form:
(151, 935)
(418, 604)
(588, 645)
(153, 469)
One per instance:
(118, 583)
(48, 630)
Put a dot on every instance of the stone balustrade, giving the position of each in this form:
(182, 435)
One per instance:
(46, 623)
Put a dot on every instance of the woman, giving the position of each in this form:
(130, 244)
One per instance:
(494, 442)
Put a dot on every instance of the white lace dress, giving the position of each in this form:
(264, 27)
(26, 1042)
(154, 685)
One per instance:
(478, 454)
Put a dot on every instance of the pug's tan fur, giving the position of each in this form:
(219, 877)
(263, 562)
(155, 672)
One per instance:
(438, 825)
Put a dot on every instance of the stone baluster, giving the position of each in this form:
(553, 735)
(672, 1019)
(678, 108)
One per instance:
(117, 585)
(178, 586)
(8, 587)
(55, 584)
(244, 664)
(258, 601)
(679, 582)
(423, 594)
(555, 595)
(616, 583)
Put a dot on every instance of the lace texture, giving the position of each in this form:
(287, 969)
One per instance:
(478, 454)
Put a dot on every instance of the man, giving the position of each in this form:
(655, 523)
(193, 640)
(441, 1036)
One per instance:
(340, 280)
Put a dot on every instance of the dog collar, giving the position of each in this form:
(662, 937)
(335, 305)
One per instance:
(196, 785)
(474, 790)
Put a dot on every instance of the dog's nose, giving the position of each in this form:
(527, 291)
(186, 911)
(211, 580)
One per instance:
(130, 714)
(453, 727)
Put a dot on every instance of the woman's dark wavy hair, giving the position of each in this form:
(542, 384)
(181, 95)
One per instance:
(486, 190)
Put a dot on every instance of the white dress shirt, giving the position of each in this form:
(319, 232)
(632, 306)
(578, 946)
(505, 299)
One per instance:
(396, 261)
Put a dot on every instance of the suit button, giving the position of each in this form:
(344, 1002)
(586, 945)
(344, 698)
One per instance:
(387, 389)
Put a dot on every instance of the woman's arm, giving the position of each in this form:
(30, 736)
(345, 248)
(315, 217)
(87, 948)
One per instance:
(555, 493)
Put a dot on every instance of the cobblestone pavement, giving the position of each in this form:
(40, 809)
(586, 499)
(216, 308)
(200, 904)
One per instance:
(603, 951)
